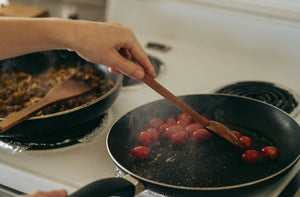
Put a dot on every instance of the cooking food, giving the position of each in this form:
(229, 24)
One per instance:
(182, 128)
(247, 142)
(20, 89)
(251, 156)
(270, 152)
(140, 152)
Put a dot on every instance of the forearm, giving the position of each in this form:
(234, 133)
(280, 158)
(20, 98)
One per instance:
(20, 36)
(97, 42)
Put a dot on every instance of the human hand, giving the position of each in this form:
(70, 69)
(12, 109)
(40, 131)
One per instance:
(53, 193)
(112, 45)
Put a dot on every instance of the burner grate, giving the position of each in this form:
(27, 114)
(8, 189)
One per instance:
(263, 91)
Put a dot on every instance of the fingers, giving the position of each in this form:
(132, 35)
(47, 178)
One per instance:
(126, 66)
(142, 58)
(125, 53)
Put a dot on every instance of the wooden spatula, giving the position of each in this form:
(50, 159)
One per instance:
(213, 126)
(64, 90)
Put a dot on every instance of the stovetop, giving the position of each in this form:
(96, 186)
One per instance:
(209, 47)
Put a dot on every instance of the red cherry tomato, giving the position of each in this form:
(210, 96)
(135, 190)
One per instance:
(183, 116)
(270, 152)
(173, 129)
(155, 123)
(163, 127)
(140, 152)
(251, 156)
(154, 133)
(184, 121)
(201, 135)
(193, 127)
(145, 138)
(179, 137)
(171, 121)
(247, 142)
(238, 134)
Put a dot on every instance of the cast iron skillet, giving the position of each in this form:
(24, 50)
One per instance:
(212, 168)
(60, 126)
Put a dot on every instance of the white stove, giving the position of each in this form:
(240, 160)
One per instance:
(212, 44)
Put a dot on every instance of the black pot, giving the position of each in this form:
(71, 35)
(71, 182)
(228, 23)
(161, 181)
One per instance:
(57, 127)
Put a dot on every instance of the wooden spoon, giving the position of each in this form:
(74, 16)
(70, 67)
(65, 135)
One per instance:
(63, 90)
(213, 126)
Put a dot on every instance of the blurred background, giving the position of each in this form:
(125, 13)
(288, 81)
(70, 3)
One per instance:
(82, 9)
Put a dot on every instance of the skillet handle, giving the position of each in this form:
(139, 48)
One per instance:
(106, 187)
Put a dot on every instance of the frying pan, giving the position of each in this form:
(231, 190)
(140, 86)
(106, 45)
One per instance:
(211, 168)
(57, 127)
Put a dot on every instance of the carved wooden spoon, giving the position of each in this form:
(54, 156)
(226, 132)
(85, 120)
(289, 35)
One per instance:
(213, 126)
(63, 90)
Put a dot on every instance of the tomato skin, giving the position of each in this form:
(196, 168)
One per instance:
(251, 156)
(247, 142)
(193, 127)
(154, 132)
(163, 127)
(155, 123)
(173, 129)
(238, 134)
(140, 152)
(179, 137)
(183, 116)
(201, 135)
(145, 138)
(184, 122)
(171, 121)
(270, 152)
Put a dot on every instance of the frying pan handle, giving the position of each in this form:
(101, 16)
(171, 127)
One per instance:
(106, 187)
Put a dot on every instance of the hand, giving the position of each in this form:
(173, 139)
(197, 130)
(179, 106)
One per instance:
(54, 193)
(112, 45)
(109, 44)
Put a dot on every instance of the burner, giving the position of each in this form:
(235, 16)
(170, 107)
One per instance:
(156, 64)
(263, 91)
(79, 134)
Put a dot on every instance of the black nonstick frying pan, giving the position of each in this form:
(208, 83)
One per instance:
(211, 168)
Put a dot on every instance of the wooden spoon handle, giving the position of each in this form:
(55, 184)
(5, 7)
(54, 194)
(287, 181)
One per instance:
(17, 117)
(173, 99)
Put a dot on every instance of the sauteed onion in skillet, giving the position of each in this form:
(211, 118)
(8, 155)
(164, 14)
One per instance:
(19, 89)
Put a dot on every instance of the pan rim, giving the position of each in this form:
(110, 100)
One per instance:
(251, 183)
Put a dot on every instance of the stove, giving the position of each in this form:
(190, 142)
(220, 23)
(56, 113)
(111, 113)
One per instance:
(202, 46)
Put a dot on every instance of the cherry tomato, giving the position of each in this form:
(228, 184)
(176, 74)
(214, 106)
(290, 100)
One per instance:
(193, 127)
(247, 142)
(154, 133)
(184, 121)
(171, 121)
(145, 138)
(238, 134)
(201, 135)
(251, 156)
(163, 127)
(180, 137)
(140, 152)
(173, 129)
(183, 115)
(270, 152)
(155, 123)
